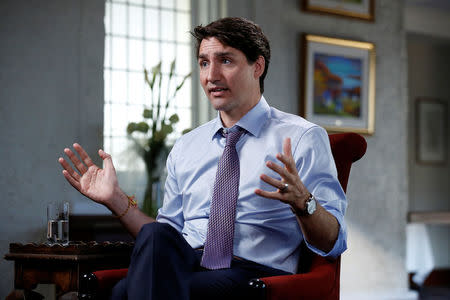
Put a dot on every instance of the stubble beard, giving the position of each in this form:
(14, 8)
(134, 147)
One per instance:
(223, 106)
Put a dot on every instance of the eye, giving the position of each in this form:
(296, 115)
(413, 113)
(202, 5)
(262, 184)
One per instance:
(203, 64)
(226, 61)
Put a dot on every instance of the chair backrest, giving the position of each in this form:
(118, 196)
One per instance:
(347, 148)
(322, 275)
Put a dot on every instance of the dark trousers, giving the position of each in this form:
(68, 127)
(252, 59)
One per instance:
(164, 266)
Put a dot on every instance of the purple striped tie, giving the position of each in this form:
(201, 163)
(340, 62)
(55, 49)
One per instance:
(218, 248)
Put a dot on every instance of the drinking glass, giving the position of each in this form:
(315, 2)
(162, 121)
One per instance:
(58, 223)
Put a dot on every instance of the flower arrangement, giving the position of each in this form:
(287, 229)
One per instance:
(150, 135)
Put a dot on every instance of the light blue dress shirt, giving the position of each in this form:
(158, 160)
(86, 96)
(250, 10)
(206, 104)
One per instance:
(266, 230)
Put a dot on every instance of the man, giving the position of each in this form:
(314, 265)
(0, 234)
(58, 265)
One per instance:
(218, 229)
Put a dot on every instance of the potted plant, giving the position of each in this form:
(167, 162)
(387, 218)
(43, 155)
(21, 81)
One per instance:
(150, 134)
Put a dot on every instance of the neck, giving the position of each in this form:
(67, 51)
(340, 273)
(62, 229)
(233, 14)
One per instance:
(229, 118)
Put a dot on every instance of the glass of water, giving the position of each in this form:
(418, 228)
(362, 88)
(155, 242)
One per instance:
(58, 223)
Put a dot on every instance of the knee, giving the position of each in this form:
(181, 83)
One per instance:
(154, 228)
(155, 231)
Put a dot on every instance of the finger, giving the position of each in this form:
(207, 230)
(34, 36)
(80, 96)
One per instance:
(272, 181)
(280, 170)
(287, 147)
(72, 181)
(66, 166)
(84, 156)
(288, 162)
(75, 161)
(271, 195)
(107, 160)
(286, 157)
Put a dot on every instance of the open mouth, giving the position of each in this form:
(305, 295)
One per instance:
(217, 89)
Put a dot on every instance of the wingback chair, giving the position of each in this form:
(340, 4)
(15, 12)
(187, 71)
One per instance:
(317, 279)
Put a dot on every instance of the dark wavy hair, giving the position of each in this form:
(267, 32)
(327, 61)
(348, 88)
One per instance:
(240, 34)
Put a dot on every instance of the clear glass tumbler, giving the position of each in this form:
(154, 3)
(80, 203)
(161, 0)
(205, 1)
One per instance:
(58, 223)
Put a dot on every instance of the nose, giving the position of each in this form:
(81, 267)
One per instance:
(213, 72)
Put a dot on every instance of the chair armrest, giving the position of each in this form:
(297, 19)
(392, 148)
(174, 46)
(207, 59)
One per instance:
(98, 284)
(321, 282)
(108, 278)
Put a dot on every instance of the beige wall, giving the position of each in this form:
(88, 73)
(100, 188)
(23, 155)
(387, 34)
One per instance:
(51, 94)
(429, 71)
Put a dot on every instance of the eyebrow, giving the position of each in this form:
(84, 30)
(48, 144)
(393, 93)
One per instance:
(217, 54)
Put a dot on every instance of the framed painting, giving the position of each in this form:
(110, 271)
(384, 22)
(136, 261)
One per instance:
(431, 131)
(339, 84)
(359, 9)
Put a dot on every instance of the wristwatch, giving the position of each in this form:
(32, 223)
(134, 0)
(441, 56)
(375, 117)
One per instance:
(310, 207)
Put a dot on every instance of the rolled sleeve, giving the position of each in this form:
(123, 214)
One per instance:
(341, 243)
(318, 172)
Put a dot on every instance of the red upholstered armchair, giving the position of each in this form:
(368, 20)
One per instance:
(318, 278)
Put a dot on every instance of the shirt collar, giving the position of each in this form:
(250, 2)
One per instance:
(253, 121)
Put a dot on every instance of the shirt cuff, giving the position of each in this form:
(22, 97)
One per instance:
(341, 243)
(162, 219)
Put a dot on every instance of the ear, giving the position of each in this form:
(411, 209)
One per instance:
(259, 64)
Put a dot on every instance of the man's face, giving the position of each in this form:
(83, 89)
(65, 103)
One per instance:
(229, 81)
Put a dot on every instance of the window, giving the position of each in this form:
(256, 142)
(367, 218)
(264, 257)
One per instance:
(139, 34)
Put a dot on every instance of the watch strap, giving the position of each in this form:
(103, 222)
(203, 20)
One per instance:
(304, 212)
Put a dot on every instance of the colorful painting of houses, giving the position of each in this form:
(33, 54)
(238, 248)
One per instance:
(337, 85)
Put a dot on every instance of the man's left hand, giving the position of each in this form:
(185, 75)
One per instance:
(290, 189)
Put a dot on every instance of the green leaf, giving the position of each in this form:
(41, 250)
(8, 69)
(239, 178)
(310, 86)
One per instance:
(148, 113)
(147, 80)
(131, 127)
(156, 70)
(182, 83)
(159, 136)
(142, 127)
(172, 68)
(166, 129)
(174, 119)
(186, 130)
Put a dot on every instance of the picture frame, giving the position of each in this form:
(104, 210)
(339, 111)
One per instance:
(338, 84)
(431, 131)
(358, 9)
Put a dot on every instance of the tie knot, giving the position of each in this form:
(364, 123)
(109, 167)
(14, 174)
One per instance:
(233, 137)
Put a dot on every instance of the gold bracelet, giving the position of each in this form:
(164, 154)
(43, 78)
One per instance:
(131, 203)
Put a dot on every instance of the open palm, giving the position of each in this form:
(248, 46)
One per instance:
(93, 182)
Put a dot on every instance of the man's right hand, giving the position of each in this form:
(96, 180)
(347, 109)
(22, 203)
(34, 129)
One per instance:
(100, 185)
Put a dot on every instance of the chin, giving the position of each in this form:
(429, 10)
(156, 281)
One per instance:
(219, 103)
(224, 106)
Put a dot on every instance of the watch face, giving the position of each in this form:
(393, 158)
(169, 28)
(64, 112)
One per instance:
(311, 208)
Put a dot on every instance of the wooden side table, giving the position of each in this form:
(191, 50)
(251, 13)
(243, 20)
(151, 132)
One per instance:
(63, 265)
